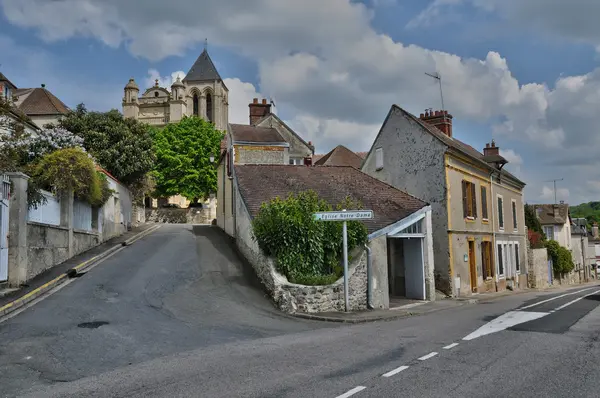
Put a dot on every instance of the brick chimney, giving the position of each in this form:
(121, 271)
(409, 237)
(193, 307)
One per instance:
(258, 110)
(440, 119)
(491, 149)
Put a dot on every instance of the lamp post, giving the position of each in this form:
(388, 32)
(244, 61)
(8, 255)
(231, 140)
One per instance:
(212, 158)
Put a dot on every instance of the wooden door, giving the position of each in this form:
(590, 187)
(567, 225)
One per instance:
(472, 266)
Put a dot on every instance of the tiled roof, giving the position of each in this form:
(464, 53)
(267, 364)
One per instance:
(5, 79)
(243, 132)
(454, 143)
(202, 70)
(340, 156)
(40, 101)
(547, 215)
(362, 155)
(261, 183)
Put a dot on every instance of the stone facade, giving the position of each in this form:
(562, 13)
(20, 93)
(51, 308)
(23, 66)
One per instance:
(192, 215)
(537, 268)
(246, 154)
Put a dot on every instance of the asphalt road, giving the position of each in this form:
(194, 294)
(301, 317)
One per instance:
(192, 325)
(179, 289)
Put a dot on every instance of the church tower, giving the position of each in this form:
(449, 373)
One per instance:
(177, 104)
(206, 94)
(131, 106)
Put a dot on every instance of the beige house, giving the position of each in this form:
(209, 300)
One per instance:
(477, 207)
(201, 93)
(556, 222)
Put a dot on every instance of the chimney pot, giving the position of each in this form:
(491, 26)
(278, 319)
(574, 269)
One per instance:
(491, 149)
(440, 119)
(255, 101)
(264, 101)
(487, 145)
(258, 110)
(421, 116)
(437, 113)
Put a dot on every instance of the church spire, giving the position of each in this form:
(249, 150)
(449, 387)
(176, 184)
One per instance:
(203, 69)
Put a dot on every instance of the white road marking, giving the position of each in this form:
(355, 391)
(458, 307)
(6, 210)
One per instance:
(351, 392)
(576, 300)
(450, 346)
(505, 321)
(430, 355)
(395, 371)
(554, 298)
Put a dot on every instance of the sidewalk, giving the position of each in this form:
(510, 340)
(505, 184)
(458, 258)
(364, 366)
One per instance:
(421, 308)
(37, 284)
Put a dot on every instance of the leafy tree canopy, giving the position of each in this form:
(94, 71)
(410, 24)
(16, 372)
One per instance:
(122, 146)
(183, 153)
(590, 211)
(531, 220)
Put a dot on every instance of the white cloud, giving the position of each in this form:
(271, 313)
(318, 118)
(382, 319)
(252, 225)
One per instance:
(324, 61)
(163, 81)
(548, 194)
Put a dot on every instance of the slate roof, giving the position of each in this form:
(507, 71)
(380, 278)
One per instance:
(261, 183)
(5, 79)
(340, 156)
(454, 143)
(546, 215)
(243, 132)
(203, 70)
(40, 101)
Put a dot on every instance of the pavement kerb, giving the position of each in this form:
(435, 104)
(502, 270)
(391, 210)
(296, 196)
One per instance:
(384, 318)
(32, 295)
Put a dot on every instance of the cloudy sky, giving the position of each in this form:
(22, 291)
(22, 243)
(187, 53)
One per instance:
(522, 72)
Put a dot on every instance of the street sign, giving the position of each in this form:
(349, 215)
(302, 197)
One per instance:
(344, 215)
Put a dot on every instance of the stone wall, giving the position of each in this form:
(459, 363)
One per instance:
(180, 216)
(290, 297)
(47, 246)
(248, 154)
(537, 268)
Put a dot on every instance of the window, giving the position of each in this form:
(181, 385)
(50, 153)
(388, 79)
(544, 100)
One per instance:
(378, 158)
(500, 261)
(549, 231)
(514, 214)
(296, 161)
(484, 206)
(209, 107)
(156, 93)
(517, 264)
(486, 257)
(500, 212)
(196, 112)
(469, 200)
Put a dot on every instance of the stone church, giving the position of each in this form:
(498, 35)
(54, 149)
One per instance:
(201, 93)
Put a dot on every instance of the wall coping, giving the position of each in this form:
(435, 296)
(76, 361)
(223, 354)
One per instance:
(82, 231)
(39, 224)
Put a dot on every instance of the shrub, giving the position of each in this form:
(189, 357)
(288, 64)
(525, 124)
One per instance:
(562, 260)
(72, 169)
(306, 251)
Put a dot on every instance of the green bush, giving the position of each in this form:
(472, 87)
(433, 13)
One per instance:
(306, 251)
(562, 260)
(72, 169)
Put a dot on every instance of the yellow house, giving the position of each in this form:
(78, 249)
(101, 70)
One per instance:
(477, 207)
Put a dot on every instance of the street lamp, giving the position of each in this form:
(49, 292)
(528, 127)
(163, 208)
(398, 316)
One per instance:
(212, 158)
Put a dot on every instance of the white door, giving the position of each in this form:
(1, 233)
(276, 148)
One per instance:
(414, 270)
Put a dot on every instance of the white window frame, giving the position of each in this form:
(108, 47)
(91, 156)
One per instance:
(379, 159)
(503, 227)
(293, 161)
(500, 275)
(517, 254)
(514, 215)
(509, 259)
(544, 227)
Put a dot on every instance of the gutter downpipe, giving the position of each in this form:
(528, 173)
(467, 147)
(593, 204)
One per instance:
(369, 276)
(494, 248)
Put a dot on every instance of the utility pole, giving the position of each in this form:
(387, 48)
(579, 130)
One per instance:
(554, 181)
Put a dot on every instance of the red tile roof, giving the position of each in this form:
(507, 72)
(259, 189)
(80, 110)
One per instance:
(261, 183)
(339, 156)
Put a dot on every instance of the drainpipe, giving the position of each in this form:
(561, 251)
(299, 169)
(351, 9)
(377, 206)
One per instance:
(494, 248)
(369, 275)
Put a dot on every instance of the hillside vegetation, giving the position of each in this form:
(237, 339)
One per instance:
(590, 211)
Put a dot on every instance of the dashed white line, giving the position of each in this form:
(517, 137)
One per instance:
(395, 371)
(449, 346)
(430, 355)
(351, 392)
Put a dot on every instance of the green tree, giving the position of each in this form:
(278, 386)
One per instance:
(183, 153)
(122, 146)
(531, 220)
(306, 251)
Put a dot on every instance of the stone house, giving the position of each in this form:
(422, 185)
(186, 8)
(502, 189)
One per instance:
(340, 156)
(556, 222)
(201, 93)
(477, 207)
(40, 105)
(399, 240)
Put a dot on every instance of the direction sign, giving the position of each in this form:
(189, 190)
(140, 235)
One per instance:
(344, 215)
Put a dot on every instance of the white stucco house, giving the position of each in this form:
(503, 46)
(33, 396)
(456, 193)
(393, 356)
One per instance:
(556, 222)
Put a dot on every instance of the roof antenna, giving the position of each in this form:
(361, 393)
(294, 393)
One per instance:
(205, 44)
(438, 77)
(554, 181)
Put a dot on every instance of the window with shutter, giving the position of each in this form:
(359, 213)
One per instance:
(469, 200)
(473, 201)
(500, 213)
(514, 214)
(464, 195)
(484, 209)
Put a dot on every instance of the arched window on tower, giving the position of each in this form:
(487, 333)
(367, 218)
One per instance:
(209, 107)
(196, 106)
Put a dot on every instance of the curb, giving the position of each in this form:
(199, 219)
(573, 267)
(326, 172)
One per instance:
(32, 295)
(366, 320)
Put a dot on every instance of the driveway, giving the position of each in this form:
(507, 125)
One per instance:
(179, 289)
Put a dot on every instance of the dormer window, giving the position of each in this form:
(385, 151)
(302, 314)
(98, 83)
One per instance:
(156, 93)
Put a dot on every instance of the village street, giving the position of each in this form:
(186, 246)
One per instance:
(176, 315)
